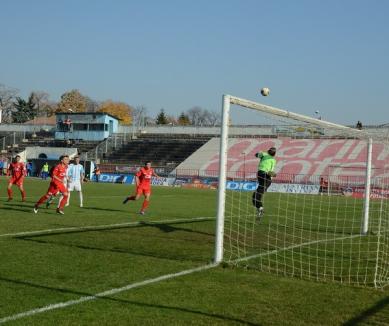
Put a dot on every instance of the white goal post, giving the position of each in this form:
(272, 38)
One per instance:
(309, 239)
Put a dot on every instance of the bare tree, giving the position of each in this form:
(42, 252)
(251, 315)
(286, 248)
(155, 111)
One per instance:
(7, 97)
(171, 120)
(51, 108)
(139, 116)
(41, 101)
(202, 117)
(212, 118)
(195, 115)
(91, 105)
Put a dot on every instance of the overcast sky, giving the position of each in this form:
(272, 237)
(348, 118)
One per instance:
(331, 56)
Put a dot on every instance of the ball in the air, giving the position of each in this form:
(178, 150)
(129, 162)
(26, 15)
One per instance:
(265, 91)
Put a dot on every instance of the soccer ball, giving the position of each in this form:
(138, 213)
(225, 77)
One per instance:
(265, 91)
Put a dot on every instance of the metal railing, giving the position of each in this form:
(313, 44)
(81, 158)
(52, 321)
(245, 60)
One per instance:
(101, 151)
(11, 141)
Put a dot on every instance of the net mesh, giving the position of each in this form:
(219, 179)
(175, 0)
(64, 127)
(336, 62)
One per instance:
(314, 210)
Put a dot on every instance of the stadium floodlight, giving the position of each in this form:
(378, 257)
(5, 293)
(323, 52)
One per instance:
(341, 236)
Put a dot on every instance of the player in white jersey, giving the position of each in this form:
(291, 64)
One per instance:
(75, 176)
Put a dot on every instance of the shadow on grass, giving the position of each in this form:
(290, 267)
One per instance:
(129, 302)
(14, 208)
(167, 228)
(104, 209)
(19, 203)
(363, 317)
(141, 224)
(174, 255)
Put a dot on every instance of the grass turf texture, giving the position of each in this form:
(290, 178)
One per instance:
(309, 236)
(43, 269)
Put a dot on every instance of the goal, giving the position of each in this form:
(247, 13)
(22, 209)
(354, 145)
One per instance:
(306, 231)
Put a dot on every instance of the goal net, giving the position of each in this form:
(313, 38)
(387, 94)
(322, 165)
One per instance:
(326, 212)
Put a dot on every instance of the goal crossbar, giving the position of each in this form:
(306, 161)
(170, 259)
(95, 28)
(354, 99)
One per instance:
(295, 116)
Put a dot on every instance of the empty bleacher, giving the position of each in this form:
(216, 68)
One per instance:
(162, 150)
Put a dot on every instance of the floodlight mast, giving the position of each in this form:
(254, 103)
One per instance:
(226, 103)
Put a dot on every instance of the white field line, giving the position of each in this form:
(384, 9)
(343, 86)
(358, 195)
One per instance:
(294, 246)
(142, 283)
(101, 227)
(65, 304)
(86, 196)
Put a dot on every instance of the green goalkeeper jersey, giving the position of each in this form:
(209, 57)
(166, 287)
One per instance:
(267, 162)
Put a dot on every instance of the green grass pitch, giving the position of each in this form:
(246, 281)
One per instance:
(106, 245)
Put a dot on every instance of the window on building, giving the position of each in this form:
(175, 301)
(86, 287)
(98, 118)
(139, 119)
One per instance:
(96, 127)
(80, 126)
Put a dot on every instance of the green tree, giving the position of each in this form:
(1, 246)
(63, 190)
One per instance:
(183, 120)
(24, 110)
(161, 118)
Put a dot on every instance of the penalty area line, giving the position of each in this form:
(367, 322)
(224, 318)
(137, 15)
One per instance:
(102, 227)
(107, 293)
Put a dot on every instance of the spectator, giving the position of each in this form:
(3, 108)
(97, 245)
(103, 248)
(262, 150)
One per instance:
(97, 173)
(68, 124)
(359, 125)
(323, 186)
(5, 166)
(45, 171)
(1, 166)
(29, 169)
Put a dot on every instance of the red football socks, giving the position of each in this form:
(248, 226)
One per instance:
(145, 205)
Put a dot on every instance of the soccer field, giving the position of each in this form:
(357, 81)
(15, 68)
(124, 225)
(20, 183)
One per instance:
(104, 264)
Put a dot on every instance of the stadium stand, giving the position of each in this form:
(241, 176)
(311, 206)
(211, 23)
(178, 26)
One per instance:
(18, 142)
(160, 149)
(311, 157)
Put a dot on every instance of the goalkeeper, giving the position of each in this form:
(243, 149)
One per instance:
(266, 168)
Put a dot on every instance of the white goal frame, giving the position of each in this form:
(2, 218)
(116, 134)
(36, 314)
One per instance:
(226, 104)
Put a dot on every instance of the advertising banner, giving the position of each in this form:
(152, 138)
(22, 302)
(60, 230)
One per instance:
(162, 181)
(241, 185)
(116, 178)
(293, 188)
(275, 187)
(359, 192)
(199, 183)
(178, 182)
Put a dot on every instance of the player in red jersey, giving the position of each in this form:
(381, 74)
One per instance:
(143, 186)
(17, 172)
(58, 175)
